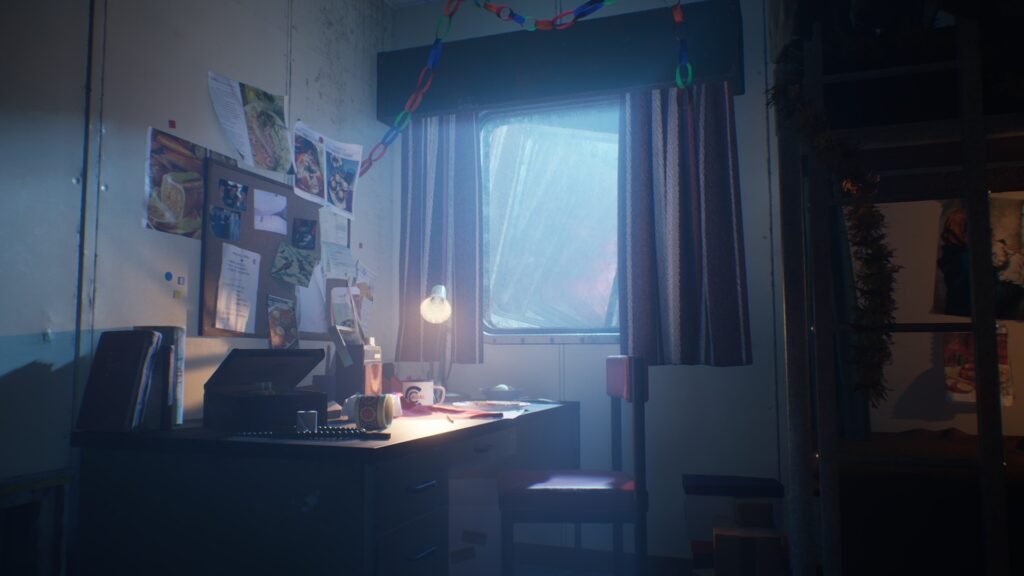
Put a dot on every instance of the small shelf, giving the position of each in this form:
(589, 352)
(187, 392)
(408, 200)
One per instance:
(912, 327)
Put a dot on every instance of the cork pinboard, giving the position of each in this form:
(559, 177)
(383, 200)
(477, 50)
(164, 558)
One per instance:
(230, 217)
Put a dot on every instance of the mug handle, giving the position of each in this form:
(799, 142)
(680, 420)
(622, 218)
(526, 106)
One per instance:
(443, 392)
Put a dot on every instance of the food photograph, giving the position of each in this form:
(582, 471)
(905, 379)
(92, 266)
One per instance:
(175, 185)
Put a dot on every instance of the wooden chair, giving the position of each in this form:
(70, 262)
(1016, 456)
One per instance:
(588, 496)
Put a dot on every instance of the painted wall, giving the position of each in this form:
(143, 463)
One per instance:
(322, 54)
(701, 420)
(41, 127)
(149, 68)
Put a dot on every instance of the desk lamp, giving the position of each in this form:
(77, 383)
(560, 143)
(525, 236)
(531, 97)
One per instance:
(436, 309)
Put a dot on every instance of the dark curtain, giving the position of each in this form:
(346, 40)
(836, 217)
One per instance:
(440, 236)
(682, 278)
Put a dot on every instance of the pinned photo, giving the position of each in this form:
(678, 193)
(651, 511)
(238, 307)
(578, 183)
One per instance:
(233, 194)
(225, 224)
(293, 266)
(270, 212)
(282, 323)
(309, 173)
(304, 234)
(342, 162)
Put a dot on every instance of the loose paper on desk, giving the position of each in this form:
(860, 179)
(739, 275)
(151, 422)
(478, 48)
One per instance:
(237, 289)
(312, 304)
(254, 121)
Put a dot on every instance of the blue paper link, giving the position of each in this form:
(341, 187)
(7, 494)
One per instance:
(587, 8)
(390, 136)
(435, 54)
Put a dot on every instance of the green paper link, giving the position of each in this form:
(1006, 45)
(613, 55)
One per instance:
(446, 21)
(402, 120)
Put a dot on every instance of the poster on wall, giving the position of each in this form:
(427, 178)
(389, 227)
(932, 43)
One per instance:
(958, 365)
(342, 164)
(255, 122)
(174, 185)
(308, 161)
(953, 265)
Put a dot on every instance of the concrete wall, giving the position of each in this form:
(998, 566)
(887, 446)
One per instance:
(701, 420)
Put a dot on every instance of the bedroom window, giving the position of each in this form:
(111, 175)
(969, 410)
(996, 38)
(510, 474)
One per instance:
(550, 179)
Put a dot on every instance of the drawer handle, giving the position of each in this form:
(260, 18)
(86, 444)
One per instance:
(423, 487)
(423, 554)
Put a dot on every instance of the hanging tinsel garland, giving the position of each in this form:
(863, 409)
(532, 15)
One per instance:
(873, 312)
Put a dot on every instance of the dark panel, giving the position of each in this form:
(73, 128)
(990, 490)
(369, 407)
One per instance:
(596, 56)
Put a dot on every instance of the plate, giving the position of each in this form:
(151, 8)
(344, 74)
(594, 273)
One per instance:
(492, 405)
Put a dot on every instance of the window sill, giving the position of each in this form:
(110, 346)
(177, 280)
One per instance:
(520, 339)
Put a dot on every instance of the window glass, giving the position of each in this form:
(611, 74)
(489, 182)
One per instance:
(550, 180)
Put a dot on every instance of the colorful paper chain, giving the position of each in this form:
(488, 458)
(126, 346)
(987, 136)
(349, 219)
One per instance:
(559, 22)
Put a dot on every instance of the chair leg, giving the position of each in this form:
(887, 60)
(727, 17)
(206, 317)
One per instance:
(619, 560)
(508, 560)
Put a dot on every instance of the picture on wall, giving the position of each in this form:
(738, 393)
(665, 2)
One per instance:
(958, 365)
(342, 162)
(174, 185)
(309, 173)
(254, 121)
(953, 265)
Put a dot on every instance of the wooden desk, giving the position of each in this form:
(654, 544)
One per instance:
(191, 501)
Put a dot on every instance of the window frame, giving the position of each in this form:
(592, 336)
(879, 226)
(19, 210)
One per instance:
(539, 335)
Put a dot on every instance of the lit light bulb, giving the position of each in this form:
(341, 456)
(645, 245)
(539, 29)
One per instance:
(435, 308)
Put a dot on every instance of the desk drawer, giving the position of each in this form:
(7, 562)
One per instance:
(482, 454)
(409, 487)
(418, 548)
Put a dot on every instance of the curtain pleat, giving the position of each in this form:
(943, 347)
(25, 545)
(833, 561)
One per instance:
(683, 295)
(440, 236)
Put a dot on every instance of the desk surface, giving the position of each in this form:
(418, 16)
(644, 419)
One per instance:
(407, 433)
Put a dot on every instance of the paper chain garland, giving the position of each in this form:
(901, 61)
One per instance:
(559, 22)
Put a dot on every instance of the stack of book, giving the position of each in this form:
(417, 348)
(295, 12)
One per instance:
(120, 379)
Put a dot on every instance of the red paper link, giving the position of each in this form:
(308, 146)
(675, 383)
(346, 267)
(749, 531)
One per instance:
(451, 7)
(563, 26)
(677, 13)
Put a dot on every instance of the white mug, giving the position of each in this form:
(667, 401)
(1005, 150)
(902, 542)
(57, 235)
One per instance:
(422, 392)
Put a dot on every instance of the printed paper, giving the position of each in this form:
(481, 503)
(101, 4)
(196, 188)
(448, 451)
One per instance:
(312, 304)
(958, 363)
(254, 121)
(308, 162)
(333, 227)
(174, 185)
(281, 323)
(342, 165)
(237, 289)
(292, 265)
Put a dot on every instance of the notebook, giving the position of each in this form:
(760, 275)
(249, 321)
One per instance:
(119, 381)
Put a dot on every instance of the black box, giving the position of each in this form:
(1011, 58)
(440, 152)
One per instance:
(254, 390)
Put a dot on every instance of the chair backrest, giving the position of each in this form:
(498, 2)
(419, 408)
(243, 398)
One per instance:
(626, 380)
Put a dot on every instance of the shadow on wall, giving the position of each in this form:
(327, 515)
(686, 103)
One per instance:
(35, 418)
(925, 397)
